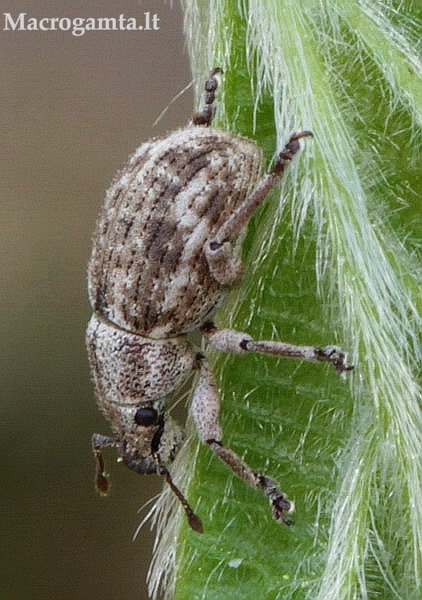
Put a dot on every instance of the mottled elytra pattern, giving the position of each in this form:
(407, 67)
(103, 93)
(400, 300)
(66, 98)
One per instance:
(166, 204)
(165, 252)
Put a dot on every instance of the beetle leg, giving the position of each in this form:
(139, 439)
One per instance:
(205, 410)
(240, 217)
(238, 342)
(206, 116)
(225, 266)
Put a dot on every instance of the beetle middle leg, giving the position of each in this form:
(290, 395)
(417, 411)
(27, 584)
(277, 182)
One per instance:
(205, 411)
(238, 342)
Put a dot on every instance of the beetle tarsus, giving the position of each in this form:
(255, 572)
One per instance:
(206, 116)
(289, 151)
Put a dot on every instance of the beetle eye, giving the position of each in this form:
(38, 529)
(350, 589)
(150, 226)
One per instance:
(146, 416)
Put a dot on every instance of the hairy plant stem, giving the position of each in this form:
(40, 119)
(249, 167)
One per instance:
(335, 256)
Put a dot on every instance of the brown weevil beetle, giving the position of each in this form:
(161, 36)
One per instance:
(165, 252)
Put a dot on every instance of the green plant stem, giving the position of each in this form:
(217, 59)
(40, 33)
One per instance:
(334, 258)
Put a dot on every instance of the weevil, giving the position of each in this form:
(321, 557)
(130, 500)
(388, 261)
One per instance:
(165, 252)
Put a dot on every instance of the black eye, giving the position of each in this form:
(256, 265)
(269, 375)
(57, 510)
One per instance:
(146, 416)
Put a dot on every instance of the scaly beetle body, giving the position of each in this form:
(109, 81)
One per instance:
(149, 273)
(165, 252)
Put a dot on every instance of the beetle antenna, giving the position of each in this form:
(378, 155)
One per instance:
(193, 519)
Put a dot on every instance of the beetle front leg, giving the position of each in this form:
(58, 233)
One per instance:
(230, 340)
(205, 411)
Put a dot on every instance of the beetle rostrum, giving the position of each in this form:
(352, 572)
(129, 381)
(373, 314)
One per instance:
(165, 253)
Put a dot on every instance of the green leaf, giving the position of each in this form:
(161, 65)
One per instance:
(332, 257)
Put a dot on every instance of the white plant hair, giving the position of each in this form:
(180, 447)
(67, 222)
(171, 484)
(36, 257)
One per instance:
(370, 277)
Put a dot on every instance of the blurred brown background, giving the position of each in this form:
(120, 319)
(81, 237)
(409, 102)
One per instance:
(71, 110)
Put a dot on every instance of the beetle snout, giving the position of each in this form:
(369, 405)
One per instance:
(143, 466)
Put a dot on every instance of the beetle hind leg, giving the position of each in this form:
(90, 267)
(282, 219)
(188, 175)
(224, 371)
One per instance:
(206, 116)
(240, 217)
(224, 265)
